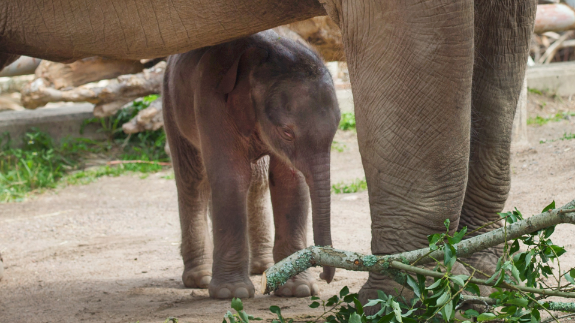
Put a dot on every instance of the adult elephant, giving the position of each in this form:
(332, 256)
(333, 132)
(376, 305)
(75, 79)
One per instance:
(435, 85)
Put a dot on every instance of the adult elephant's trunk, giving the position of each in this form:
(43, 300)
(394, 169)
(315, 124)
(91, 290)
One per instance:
(318, 180)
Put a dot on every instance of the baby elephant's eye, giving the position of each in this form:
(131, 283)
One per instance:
(287, 133)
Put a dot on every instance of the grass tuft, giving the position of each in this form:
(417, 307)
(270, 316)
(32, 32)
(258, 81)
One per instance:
(43, 164)
(347, 121)
(358, 185)
(539, 121)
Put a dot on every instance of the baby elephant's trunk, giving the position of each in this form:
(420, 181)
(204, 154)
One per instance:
(318, 181)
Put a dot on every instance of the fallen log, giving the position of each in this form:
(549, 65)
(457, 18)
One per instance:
(108, 99)
(22, 66)
(150, 118)
(554, 17)
(323, 34)
(62, 76)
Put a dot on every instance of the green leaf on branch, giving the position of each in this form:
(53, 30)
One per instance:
(434, 239)
(549, 207)
(449, 256)
(472, 288)
(521, 302)
(458, 236)
(486, 317)
(434, 285)
(459, 279)
(443, 299)
(413, 284)
(354, 318)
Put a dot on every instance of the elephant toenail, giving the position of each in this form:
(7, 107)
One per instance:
(205, 281)
(224, 293)
(241, 293)
(302, 291)
(286, 292)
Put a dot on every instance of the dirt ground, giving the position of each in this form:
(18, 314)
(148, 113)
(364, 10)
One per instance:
(109, 251)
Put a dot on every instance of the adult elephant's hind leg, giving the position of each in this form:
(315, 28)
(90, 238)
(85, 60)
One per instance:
(410, 65)
(193, 199)
(502, 35)
(259, 218)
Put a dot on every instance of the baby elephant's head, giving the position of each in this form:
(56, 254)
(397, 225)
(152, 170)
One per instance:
(296, 108)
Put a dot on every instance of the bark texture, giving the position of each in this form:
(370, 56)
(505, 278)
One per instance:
(84, 71)
(323, 35)
(149, 119)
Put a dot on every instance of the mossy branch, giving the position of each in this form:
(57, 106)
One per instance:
(394, 265)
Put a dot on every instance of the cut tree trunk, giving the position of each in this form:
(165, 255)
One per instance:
(108, 99)
(61, 76)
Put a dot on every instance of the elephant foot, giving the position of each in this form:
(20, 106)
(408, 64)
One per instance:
(241, 288)
(302, 285)
(259, 265)
(197, 277)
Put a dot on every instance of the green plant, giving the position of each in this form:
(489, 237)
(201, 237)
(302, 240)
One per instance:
(240, 316)
(43, 164)
(565, 137)
(357, 185)
(534, 91)
(518, 281)
(539, 121)
(338, 146)
(347, 121)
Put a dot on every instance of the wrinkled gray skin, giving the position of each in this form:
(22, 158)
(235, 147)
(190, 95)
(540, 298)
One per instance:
(435, 86)
(225, 108)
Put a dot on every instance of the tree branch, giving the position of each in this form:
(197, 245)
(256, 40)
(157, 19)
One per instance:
(393, 265)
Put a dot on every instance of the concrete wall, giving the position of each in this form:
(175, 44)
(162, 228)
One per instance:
(58, 122)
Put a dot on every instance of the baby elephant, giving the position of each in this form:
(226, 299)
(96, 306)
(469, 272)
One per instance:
(226, 108)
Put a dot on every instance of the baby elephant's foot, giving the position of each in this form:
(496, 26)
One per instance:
(302, 285)
(225, 290)
(258, 266)
(197, 277)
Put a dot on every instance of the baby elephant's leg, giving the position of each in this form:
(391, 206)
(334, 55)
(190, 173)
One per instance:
(230, 186)
(290, 201)
(193, 198)
(259, 219)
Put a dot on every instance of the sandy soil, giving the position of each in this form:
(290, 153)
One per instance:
(109, 251)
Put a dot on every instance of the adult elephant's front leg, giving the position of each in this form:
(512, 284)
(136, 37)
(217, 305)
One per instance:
(502, 37)
(410, 66)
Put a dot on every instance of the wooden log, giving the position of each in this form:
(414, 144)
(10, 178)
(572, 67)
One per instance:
(554, 17)
(61, 76)
(323, 34)
(107, 100)
(151, 118)
(22, 66)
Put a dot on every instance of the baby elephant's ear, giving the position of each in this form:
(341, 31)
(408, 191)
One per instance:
(253, 55)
